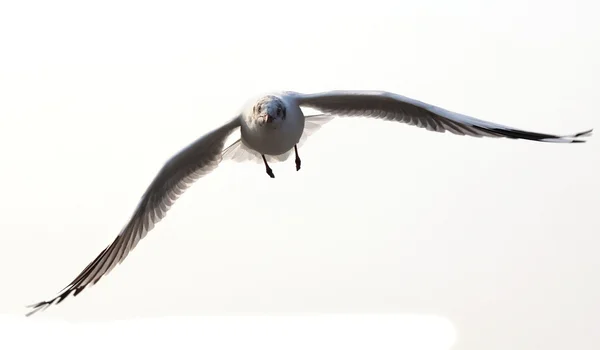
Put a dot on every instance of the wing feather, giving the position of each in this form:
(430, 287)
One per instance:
(177, 175)
(393, 107)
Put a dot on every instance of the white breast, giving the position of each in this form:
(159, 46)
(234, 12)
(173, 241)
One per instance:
(277, 138)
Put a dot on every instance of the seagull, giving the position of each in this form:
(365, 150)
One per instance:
(272, 126)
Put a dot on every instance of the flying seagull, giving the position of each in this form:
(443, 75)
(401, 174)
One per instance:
(271, 128)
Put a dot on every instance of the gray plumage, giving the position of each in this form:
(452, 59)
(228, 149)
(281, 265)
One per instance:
(271, 126)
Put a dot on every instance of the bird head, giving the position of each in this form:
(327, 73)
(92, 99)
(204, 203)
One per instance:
(269, 111)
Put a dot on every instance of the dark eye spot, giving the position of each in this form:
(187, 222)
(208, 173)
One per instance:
(278, 110)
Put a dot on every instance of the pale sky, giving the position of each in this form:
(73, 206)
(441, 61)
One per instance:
(498, 236)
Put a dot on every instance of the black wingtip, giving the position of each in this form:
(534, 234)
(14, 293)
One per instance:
(534, 136)
(37, 307)
(584, 133)
(42, 305)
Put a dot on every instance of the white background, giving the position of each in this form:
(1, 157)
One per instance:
(498, 237)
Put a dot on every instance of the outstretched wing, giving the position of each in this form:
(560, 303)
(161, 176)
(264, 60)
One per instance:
(178, 174)
(389, 106)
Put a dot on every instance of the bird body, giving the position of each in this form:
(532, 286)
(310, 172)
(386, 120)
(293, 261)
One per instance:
(278, 136)
(271, 126)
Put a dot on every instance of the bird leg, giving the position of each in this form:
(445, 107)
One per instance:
(269, 170)
(297, 158)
